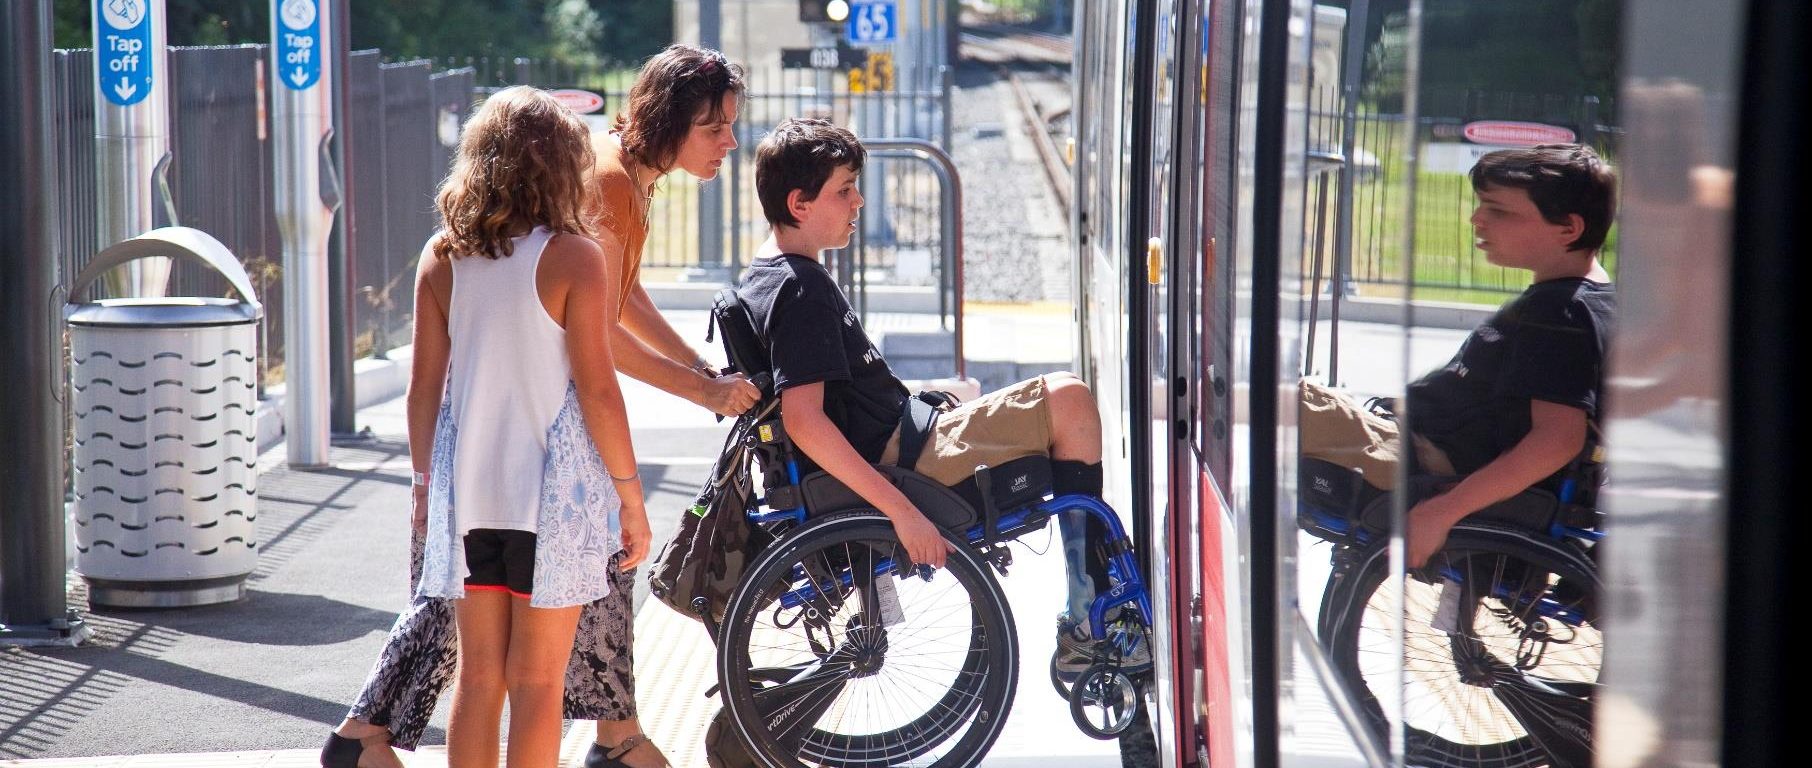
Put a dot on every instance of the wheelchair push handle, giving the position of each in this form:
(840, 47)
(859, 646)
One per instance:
(764, 382)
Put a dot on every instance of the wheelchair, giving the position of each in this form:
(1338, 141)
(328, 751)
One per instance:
(835, 649)
(1502, 644)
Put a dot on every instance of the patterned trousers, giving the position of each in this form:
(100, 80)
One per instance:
(419, 656)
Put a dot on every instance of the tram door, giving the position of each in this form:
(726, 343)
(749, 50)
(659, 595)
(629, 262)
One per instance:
(1152, 363)
(1112, 165)
(1207, 587)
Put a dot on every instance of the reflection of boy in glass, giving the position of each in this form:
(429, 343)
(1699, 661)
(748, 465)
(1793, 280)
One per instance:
(1514, 406)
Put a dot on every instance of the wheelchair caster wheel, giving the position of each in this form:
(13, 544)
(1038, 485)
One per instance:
(1104, 702)
(1057, 681)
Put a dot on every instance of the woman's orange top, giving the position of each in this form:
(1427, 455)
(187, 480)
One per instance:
(614, 205)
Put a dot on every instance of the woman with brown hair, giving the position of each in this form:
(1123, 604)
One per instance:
(679, 116)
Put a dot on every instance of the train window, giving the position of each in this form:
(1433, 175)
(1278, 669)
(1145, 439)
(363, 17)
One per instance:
(1348, 310)
(1440, 333)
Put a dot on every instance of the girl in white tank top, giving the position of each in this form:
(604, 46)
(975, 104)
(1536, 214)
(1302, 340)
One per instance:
(517, 430)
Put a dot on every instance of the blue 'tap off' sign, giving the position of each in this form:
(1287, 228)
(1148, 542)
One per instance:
(874, 22)
(122, 49)
(298, 43)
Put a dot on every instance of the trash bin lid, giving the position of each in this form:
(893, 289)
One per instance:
(179, 312)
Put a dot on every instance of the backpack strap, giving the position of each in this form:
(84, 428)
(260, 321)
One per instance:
(917, 418)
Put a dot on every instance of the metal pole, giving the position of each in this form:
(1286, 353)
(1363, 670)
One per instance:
(131, 135)
(33, 607)
(343, 400)
(951, 199)
(307, 195)
(1399, 508)
(947, 84)
(710, 194)
(1351, 70)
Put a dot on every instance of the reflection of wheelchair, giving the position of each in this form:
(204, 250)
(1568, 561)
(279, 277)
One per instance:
(836, 650)
(1501, 643)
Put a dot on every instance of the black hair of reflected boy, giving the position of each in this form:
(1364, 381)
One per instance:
(801, 153)
(1561, 179)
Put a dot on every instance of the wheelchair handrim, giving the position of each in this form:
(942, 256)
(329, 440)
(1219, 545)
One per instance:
(990, 615)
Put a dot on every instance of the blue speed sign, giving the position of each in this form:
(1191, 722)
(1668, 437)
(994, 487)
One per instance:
(874, 22)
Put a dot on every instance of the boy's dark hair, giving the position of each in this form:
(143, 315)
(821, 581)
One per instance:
(801, 153)
(676, 88)
(1561, 179)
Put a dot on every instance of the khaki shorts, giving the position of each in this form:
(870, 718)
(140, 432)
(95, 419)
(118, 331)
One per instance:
(1334, 428)
(1006, 424)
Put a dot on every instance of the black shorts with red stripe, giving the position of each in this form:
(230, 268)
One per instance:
(501, 560)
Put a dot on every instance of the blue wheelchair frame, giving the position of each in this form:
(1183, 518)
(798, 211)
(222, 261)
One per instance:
(1333, 521)
(1129, 583)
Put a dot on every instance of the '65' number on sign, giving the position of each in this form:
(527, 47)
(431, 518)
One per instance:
(871, 22)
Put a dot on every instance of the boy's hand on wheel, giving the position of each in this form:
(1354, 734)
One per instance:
(923, 542)
(1429, 523)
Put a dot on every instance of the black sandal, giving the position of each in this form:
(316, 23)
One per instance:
(602, 756)
(342, 752)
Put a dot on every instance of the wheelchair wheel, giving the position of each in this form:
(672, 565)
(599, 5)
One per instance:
(1501, 651)
(831, 656)
(1104, 702)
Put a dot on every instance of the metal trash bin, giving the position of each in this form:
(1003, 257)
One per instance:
(166, 439)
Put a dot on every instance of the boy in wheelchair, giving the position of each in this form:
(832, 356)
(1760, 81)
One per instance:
(1517, 406)
(843, 408)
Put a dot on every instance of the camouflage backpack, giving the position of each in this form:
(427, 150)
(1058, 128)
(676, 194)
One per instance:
(698, 569)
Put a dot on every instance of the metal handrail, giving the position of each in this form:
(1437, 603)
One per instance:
(950, 217)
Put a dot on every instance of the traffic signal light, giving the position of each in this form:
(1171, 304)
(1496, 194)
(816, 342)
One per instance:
(824, 11)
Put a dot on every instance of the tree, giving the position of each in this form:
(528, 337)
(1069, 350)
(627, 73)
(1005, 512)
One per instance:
(1564, 48)
(576, 33)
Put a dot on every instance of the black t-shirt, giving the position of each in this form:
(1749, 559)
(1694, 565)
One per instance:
(813, 336)
(1547, 344)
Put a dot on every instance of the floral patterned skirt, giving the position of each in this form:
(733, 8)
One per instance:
(576, 530)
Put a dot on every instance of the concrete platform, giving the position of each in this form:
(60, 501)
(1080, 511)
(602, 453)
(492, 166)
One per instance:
(259, 682)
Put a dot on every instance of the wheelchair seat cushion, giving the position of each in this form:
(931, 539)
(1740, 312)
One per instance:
(1533, 510)
(825, 494)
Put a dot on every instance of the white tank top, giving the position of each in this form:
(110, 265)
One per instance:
(507, 379)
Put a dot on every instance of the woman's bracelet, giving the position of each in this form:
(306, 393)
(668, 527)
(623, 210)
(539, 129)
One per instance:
(633, 477)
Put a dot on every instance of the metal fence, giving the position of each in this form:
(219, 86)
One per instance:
(1447, 266)
(402, 126)
(402, 121)
(898, 242)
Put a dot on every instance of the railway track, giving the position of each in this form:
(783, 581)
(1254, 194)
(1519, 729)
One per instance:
(1008, 50)
(999, 44)
(1038, 125)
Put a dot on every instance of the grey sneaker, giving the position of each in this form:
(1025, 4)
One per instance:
(1076, 651)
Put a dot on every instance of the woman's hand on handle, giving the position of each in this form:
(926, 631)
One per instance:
(728, 395)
